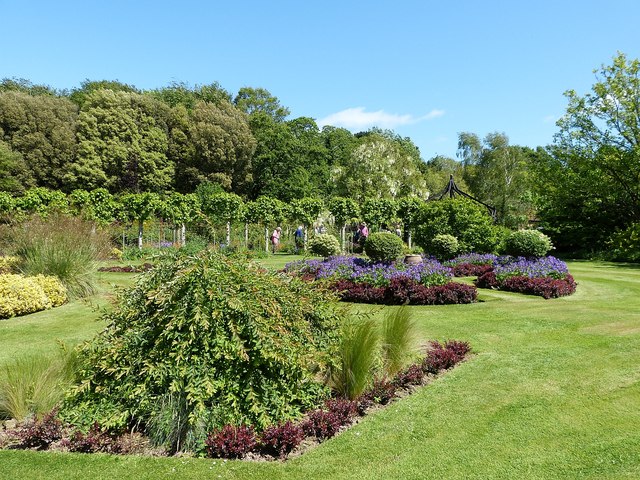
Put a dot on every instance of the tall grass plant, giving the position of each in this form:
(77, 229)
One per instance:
(64, 246)
(399, 340)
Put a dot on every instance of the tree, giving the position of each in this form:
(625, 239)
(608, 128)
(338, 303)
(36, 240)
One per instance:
(222, 146)
(306, 210)
(225, 207)
(408, 211)
(140, 207)
(344, 210)
(265, 210)
(498, 174)
(252, 100)
(80, 95)
(380, 167)
(378, 211)
(596, 158)
(123, 143)
(42, 129)
(14, 175)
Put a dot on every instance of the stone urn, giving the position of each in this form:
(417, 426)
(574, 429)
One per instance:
(413, 259)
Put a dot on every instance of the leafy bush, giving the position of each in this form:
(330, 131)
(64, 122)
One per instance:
(625, 245)
(247, 345)
(412, 375)
(40, 433)
(96, 439)
(231, 442)
(324, 245)
(444, 246)
(439, 358)
(545, 287)
(34, 385)
(279, 440)
(469, 222)
(65, 247)
(382, 392)
(527, 243)
(383, 247)
(343, 408)
(53, 289)
(470, 270)
(322, 424)
(21, 295)
(487, 280)
(8, 264)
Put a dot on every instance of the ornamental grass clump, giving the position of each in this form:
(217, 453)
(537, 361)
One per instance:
(233, 344)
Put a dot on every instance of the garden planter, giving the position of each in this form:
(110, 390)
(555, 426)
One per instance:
(413, 259)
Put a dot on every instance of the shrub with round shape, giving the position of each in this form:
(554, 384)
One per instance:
(324, 245)
(444, 246)
(528, 243)
(21, 295)
(235, 344)
(383, 247)
(53, 288)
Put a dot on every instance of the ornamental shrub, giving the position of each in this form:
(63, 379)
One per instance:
(237, 343)
(231, 442)
(383, 247)
(324, 245)
(21, 295)
(444, 246)
(8, 264)
(279, 440)
(53, 288)
(527, 243)
(466, 220)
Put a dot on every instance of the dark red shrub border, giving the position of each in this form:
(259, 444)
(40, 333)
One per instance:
(545, 287)
(403, 291)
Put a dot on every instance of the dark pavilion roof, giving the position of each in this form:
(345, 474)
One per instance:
(452, 191)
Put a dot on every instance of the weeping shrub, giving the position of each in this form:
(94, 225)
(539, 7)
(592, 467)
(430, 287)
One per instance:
(231, 342)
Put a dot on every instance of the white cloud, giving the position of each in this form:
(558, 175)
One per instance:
(358, 119)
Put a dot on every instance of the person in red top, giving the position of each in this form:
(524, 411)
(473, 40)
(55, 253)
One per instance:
(275, 239)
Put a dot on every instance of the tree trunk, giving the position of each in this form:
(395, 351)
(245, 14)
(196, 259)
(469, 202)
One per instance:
(306, 237)
(183, 235)
(246, 235)
(228, 234)
(343, 237)
(409, 238)
(140, 227)
(266, 239)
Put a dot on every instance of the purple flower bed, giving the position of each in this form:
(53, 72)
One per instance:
(428, 273)
(547, 277)
(360, 281)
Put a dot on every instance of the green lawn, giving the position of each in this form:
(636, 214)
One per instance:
(552, 392)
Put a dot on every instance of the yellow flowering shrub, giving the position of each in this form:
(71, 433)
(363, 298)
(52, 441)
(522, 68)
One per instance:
(7, 264)
(53, 288)
(21, 295)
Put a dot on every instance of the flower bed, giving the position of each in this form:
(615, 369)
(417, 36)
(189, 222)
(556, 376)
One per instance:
(239, 441)
(471, 264)
(361, 281)
(547, 277)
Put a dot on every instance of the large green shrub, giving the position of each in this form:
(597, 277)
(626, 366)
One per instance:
(324, 245)
(383, 247)
(203, 341)
(444, 246)
(625, 244)
(527, 243)
(466, 220)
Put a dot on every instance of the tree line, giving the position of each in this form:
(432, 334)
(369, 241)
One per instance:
(583, 189)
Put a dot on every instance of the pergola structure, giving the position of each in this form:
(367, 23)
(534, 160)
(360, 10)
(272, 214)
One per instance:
(452, 191)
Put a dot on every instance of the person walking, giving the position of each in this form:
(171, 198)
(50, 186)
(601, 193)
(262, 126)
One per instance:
(275, 239)
(298, 237)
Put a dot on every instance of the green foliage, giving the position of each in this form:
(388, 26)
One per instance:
(62, 246)
(324, 245)
(34, 385)
(41, 201)
(464, 219)
(625, 245)
(306, 209)
(383, 247)
(241, 344)
(399, 334)
(8, 264)
(377, 211)
(358, 357)
(527, 243)
(344, 210)
(444, 246)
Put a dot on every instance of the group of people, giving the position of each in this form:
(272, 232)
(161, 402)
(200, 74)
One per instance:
(298, 237)
(359, 236)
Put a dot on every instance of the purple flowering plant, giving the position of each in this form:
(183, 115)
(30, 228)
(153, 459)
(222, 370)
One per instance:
(428, 273)
(549, 267)
(473, 259)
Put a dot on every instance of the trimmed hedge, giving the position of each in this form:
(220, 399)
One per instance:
(546, 287)
(528, 243)
(324, 245)
(383, 247)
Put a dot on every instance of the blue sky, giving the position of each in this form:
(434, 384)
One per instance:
(428, 70)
